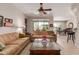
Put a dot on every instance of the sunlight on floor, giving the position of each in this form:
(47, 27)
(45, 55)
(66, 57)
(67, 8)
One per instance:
(68, 48)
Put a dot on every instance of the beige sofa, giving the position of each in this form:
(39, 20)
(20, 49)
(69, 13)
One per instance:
(13, 43)
(49, 34)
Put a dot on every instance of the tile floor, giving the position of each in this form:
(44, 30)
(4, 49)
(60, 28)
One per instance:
(68, 48)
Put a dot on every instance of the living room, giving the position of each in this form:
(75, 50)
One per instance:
(25, 24)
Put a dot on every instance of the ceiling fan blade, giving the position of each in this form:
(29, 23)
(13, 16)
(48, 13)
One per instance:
(41, 9)
(44, 12)
(47, 9)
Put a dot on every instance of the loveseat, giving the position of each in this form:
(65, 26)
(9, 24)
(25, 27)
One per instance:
(13, 44)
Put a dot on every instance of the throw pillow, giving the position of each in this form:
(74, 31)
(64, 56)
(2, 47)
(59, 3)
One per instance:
(2, 46)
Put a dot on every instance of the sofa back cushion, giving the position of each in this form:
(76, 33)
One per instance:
(13, 36)
(40, 33)
(6, 38)
(1, 39)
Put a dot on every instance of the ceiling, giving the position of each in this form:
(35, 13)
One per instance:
(60, 11)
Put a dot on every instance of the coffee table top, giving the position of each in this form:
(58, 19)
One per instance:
(37, 45)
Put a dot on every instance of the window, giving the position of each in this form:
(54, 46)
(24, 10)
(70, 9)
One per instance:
(41, 25)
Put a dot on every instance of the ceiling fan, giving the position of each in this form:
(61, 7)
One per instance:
(41, 9)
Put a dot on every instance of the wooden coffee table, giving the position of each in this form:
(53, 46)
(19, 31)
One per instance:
(38, 49)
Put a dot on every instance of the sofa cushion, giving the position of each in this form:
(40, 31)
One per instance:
(2, 39)
(13, 36)
(6, 38)
(19, 41)
(9, 49)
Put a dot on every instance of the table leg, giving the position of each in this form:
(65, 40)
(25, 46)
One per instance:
(73, 37)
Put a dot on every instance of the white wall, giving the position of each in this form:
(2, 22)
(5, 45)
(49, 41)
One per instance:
(77, 33)
(61, 24)
(9, 11)
(76, 13)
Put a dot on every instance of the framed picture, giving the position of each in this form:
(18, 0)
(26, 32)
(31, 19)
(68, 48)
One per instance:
(8, 22)
(1, 21)
(51, 25)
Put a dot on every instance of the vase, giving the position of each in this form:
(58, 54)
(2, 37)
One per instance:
(44, 43)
